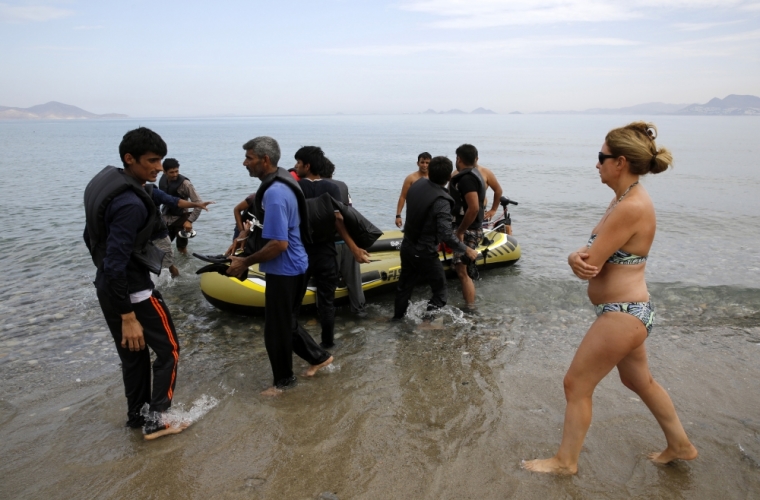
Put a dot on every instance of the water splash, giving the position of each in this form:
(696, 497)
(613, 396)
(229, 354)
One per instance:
(447, 315)
(177, 415)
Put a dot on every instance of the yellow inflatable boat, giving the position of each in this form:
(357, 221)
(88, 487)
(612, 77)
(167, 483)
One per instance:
(247, 297)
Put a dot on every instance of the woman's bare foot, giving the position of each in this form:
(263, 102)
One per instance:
(166, 431)
(668, 455)
(313, 369)
(549, 465)
(272, 392)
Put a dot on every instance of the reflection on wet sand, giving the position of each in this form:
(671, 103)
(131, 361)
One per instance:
(407, 413)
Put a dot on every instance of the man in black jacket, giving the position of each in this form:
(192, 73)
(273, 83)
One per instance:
(323, 266)
(121, 221)
(428, 222)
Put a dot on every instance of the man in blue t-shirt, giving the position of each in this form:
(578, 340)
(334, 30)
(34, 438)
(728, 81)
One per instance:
(284, 261)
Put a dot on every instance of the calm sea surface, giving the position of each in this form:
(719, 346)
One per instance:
(405, 412)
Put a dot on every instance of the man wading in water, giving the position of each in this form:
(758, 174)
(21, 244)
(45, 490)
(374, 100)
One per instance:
(468, 189)
(428, 223)
(121, 220)
(280, 206)
(423, 160)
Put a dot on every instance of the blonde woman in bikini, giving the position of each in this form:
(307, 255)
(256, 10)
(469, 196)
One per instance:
(613, 262)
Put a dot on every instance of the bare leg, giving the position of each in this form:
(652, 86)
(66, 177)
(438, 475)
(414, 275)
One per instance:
(635, 374)
(609, 340)
(313, 369)
(468, 287)
(173, 271)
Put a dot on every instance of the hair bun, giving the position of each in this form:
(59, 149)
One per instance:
(661, 160)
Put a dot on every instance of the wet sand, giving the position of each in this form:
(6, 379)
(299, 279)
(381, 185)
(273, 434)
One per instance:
(405, 413)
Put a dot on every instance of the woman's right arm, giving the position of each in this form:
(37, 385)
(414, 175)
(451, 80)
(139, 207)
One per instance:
(580, 266)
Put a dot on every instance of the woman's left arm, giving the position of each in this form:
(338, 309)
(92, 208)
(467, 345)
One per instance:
(617, 230)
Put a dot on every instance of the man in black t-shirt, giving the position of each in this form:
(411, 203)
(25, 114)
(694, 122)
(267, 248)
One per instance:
(323, 266)
(348, 267)
(468, 189)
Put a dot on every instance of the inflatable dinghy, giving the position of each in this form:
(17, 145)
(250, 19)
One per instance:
(247, 296)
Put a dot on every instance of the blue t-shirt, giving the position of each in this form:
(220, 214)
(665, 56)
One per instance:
(282, 222)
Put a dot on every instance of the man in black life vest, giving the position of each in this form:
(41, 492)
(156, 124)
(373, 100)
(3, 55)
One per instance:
(178, 219)
(428, 222)
(468, 189)
(323, 267)
(278, 248)
(348, 267)
(121, 220)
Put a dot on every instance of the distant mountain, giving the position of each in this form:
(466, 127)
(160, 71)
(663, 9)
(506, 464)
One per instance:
(479, 111)
(51, 111)
(731, 105)
(649, 108)
(515, 113)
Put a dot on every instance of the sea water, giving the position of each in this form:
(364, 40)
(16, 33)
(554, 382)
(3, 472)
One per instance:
(415, 411)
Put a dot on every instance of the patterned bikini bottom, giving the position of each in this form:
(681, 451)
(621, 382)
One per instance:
(644, 311)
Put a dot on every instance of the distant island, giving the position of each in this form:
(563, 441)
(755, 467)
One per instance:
(478, 111)
(51, 111)
(732, 105)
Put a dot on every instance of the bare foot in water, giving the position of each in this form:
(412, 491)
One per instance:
(166, 431)
(550, 466)
(668, 455)
(271, 392)
(313, 369)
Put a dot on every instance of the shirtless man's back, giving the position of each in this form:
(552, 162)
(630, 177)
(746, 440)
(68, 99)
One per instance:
(493, 183)
(423, 160)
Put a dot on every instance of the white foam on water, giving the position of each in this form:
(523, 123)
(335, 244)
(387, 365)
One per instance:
(177, 415)
(331, 368)
(418, 313)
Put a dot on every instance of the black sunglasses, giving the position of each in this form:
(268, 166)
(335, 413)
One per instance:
(603, 157)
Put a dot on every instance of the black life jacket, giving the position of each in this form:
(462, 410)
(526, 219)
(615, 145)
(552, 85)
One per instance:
(459, 204)
(162, 227)
(419, 200)
(170, 188)
(98, 194)
(256, 241)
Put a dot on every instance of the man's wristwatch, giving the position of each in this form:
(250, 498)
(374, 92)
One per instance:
(398, 216)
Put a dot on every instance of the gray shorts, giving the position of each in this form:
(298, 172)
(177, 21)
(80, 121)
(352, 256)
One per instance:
(165, 245)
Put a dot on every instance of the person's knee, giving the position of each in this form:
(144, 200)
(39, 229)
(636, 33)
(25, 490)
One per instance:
(461, 271)
(637, 385)
(574, 389)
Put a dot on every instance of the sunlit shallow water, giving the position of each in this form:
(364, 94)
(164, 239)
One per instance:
(410, 410)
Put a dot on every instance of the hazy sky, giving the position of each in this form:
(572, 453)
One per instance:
(186, 58)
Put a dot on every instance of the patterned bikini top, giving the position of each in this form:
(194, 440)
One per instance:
(620, 257)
